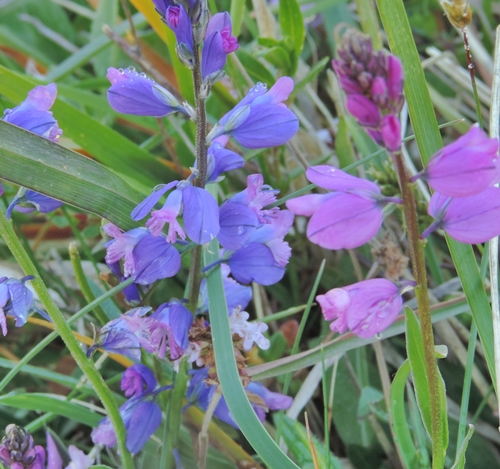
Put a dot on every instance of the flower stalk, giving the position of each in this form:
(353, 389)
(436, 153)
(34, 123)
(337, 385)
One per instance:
(421, 291)
(63, 329)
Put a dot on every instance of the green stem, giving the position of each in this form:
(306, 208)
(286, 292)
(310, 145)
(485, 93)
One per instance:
(174, 416)
(470, 66)
(83, 283)
(421, 292)
(63, 329)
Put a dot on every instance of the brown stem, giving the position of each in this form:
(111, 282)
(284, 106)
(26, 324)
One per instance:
(471, 67)
(421, 292)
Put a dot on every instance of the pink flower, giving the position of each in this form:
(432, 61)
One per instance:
(345, 219)
(465, 167)
(474, 219)
(365, 308)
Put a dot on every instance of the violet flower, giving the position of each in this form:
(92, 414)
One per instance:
(219, 42)
(200, 394)
(33, 114)
(345, 219)
(465, 167)
(260, 119)
(146, 258)
(178, 20)
(141, 417)
(18, 450)
(237, 296)
(127, 334)
(173, 323)
(474, 219)
(221, 160)
(373, 83)
(16, 301)
(134, 93)
(365, 308)
(137, 380)
(199, 211)
(78, 459)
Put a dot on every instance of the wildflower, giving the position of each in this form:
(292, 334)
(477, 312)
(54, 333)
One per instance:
(18, 450)
(179, 22)
(345, 219)
(220, 159)
(141, 416)
(465, 167)
(365, 308)
(134, 93)
(474, 219)
(78, 459)
(199, 211)
(200, 394)
(219, 42)
(16, 301)
(250, 332)
(146, 258)
(33, 114)
(137, 380)
(373, 83)
(260, 119)
(173, 322)
(127, 334)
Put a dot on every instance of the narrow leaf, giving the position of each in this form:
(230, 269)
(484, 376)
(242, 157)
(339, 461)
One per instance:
(292, 23)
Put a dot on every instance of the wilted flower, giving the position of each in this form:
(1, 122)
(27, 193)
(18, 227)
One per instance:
(365, 308)
(16, 301)
(134, 93)
(345, 219)
(260, 119)
(474, 219)
(465, 167)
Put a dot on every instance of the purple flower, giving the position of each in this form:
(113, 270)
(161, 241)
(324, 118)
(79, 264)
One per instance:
(16, 301)
(220, 160)
(237, 296)
(219, 42)
(161, 6)
(365, 308)
(27, 201)
(465, 167)
(260, 119)
(141, 416)
(237, 224)
(200, 212)
(200, 394)
(134, 93)
(33, 114)
(344, 219)
(474, 219)
(178, 21)
(255, 262)
(127, 334)
(18, 450)
(138, 380)
(174, 322)
(79, 460)
(146, 258)
(364, 110)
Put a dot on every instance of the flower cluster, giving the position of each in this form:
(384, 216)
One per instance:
(373, 83)
(33, 114)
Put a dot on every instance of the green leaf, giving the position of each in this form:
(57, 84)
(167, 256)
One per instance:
(255, 68)
(295, 436)
(399, 422)
(228, 374)
(311, 76)
(280, 58)
(460, 461)
(429, 141)
(415, 349)
(292, 23)
(106, 13)
(34, 162)
(49, 403)
(104, 144)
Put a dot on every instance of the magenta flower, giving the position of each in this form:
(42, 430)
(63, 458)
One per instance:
(134, 93)
(365, 308)
(18, 450)
(345, 219)
(465, 167)
(260, 119)
(474, 219)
